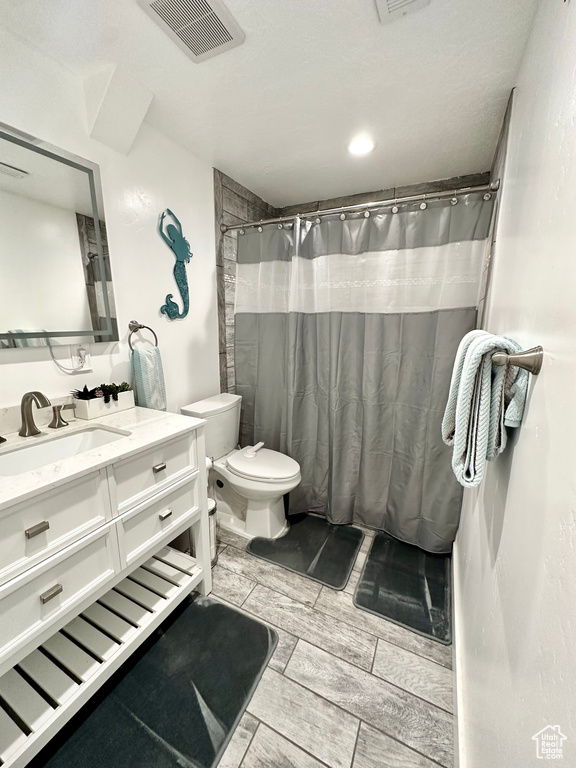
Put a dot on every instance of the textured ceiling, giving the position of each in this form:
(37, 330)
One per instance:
(277, 112)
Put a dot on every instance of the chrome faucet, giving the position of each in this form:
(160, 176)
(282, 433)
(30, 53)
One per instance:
(29, 428)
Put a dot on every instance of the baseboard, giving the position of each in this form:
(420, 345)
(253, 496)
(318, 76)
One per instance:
(459, 761)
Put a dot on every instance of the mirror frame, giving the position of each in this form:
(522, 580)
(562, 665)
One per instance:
(92, 171)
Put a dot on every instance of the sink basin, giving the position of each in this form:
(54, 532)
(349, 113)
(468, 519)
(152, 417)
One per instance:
(28, 457)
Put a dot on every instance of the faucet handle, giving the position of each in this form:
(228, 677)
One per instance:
(57, 420)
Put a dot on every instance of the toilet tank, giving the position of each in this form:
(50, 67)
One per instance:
(222, 414)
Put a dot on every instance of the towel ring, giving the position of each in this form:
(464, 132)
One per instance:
(134, 327)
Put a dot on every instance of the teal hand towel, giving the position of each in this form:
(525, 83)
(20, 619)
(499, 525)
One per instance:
(148, 378)
(484, 399)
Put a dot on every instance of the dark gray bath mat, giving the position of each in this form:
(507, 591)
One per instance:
(176, 701)
(314, 548)
(408, 586)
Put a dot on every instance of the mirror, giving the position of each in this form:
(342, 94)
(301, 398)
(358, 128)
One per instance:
(55, 279)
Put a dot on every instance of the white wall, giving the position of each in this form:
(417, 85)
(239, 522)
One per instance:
(39, 256)
(45, 100)
(515, 557)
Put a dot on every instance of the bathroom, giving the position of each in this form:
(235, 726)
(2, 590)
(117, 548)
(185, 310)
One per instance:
(461, 101)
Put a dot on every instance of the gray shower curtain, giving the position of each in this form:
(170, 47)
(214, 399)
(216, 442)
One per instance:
(346, 332)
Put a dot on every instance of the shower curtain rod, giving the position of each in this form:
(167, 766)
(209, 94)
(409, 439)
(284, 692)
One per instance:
(492, 187)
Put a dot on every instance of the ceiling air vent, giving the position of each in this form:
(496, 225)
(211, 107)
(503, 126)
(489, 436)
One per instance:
(10, 170)
(200, 28)
(388, 10)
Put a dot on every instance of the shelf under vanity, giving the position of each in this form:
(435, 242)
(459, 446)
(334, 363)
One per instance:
(86, 573)
(46, 688)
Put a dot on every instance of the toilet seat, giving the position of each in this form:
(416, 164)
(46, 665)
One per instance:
(267, 465)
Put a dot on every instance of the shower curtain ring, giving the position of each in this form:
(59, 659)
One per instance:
(423, 204)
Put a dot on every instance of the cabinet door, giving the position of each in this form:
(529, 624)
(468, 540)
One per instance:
(148, 523)
(35, 600)
(38, 528)
(150, 472)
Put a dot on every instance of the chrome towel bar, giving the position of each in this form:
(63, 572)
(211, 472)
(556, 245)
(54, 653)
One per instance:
(530, 360)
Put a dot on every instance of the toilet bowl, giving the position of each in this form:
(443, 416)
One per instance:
(248, 483)
(262, 482)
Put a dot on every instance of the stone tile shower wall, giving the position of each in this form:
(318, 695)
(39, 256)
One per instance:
(234, 204)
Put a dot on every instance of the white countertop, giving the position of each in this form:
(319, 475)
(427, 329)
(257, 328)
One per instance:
(147, 428)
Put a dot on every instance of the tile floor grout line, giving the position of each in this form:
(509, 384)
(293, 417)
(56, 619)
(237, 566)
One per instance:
(309, 690)
(348, 624)
(298, 639)
(259, 583)
(275, 626)
(350, 714)
(374, 659)
(391, 642)
(291, 654)
(298, 746)
(377, 677)
(267, 623)
(403, 743)
(241, 763)
(335, 656)
(318, 595)
(249, 593)
(356, 743)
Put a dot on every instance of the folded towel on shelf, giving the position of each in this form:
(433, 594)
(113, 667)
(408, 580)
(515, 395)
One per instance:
(148, 378)
(484, 399)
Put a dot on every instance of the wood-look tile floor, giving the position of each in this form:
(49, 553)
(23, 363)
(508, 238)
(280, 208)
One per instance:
(344, 688)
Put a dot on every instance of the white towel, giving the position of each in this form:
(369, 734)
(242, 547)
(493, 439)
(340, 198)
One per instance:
(484, 398)
(148, 378)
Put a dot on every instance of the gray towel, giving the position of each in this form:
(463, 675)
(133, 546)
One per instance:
(148, 378)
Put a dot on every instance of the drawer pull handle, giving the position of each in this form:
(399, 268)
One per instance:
(50, 593)
(159, 467)
(165, 515)
(36, 529)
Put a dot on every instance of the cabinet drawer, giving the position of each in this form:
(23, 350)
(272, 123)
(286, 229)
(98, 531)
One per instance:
(39, 596)
(144, 475)
(139, 528)
(40, 527)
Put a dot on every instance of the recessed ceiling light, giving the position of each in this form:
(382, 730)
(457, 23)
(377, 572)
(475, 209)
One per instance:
(361, 145)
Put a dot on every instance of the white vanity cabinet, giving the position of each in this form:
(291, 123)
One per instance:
(87, 573)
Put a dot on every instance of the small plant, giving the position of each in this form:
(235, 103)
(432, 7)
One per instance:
(87, 394)
(112, 390)
(106, 391)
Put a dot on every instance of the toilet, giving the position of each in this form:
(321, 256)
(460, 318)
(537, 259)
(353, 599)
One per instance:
(249, 483)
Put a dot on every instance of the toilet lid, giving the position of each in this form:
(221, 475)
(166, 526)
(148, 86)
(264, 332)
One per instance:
(266, 465)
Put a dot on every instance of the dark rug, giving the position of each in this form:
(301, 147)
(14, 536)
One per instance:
(177, 699)
(313, 548)
(408, 586)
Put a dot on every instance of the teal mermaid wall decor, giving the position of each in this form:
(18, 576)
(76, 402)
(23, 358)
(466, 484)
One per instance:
(171, 231)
